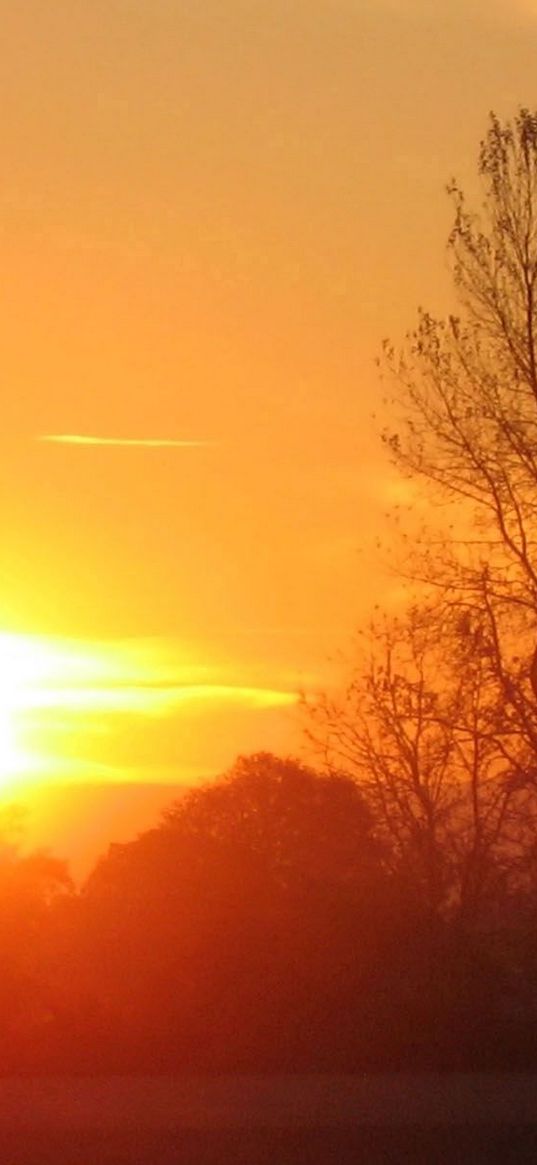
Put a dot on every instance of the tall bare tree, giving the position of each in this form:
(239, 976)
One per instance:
(441, 727)
(466, 399)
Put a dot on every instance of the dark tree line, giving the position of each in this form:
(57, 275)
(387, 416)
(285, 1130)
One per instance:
(267, 923)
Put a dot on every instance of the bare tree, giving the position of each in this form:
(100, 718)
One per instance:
(441, 726)
(438, 753)
(466, 397)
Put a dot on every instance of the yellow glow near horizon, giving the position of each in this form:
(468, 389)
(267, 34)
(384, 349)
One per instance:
(56, 696)
(27, 666)
(11, 756)
(15, 662)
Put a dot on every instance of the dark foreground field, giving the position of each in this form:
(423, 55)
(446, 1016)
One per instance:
(357, 1146)
(317, 1120)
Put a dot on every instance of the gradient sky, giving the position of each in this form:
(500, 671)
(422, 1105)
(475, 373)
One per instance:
(211, 214)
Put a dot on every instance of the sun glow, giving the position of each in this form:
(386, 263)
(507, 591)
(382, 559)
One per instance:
(14, 760)
(26, 664)
(70, 709)
(37, 675)
(44, 685)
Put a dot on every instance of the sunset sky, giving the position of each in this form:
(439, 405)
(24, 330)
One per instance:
(212, 213)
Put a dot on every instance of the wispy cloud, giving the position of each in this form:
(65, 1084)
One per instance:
(149, 699)
(124, 442)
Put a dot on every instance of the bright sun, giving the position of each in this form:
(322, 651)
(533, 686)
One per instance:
(35, 675)
(49, 685)
(20, 661)
(31, 671)
(12, 758)
(66, 704)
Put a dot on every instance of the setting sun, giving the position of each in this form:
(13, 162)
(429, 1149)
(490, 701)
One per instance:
(72, 709)
(25, 667)
(35, 674)
(12, 758)
(19, 661)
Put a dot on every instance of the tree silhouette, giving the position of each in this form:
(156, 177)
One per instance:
(467, 403)
(466, 433)
(238, 931)
(31, 889)
(300, 824)
(440, 725)
(422, 726)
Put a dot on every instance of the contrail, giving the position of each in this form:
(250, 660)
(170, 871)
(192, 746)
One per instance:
(124, 442)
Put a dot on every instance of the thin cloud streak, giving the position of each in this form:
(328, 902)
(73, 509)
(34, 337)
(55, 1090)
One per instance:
(151, 698)
(124, 442)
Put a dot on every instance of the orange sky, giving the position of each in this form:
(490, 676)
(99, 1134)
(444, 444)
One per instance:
(211, 215)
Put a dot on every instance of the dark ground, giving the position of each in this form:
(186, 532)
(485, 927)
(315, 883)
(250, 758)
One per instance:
(273, 1147)
(425, 1119)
